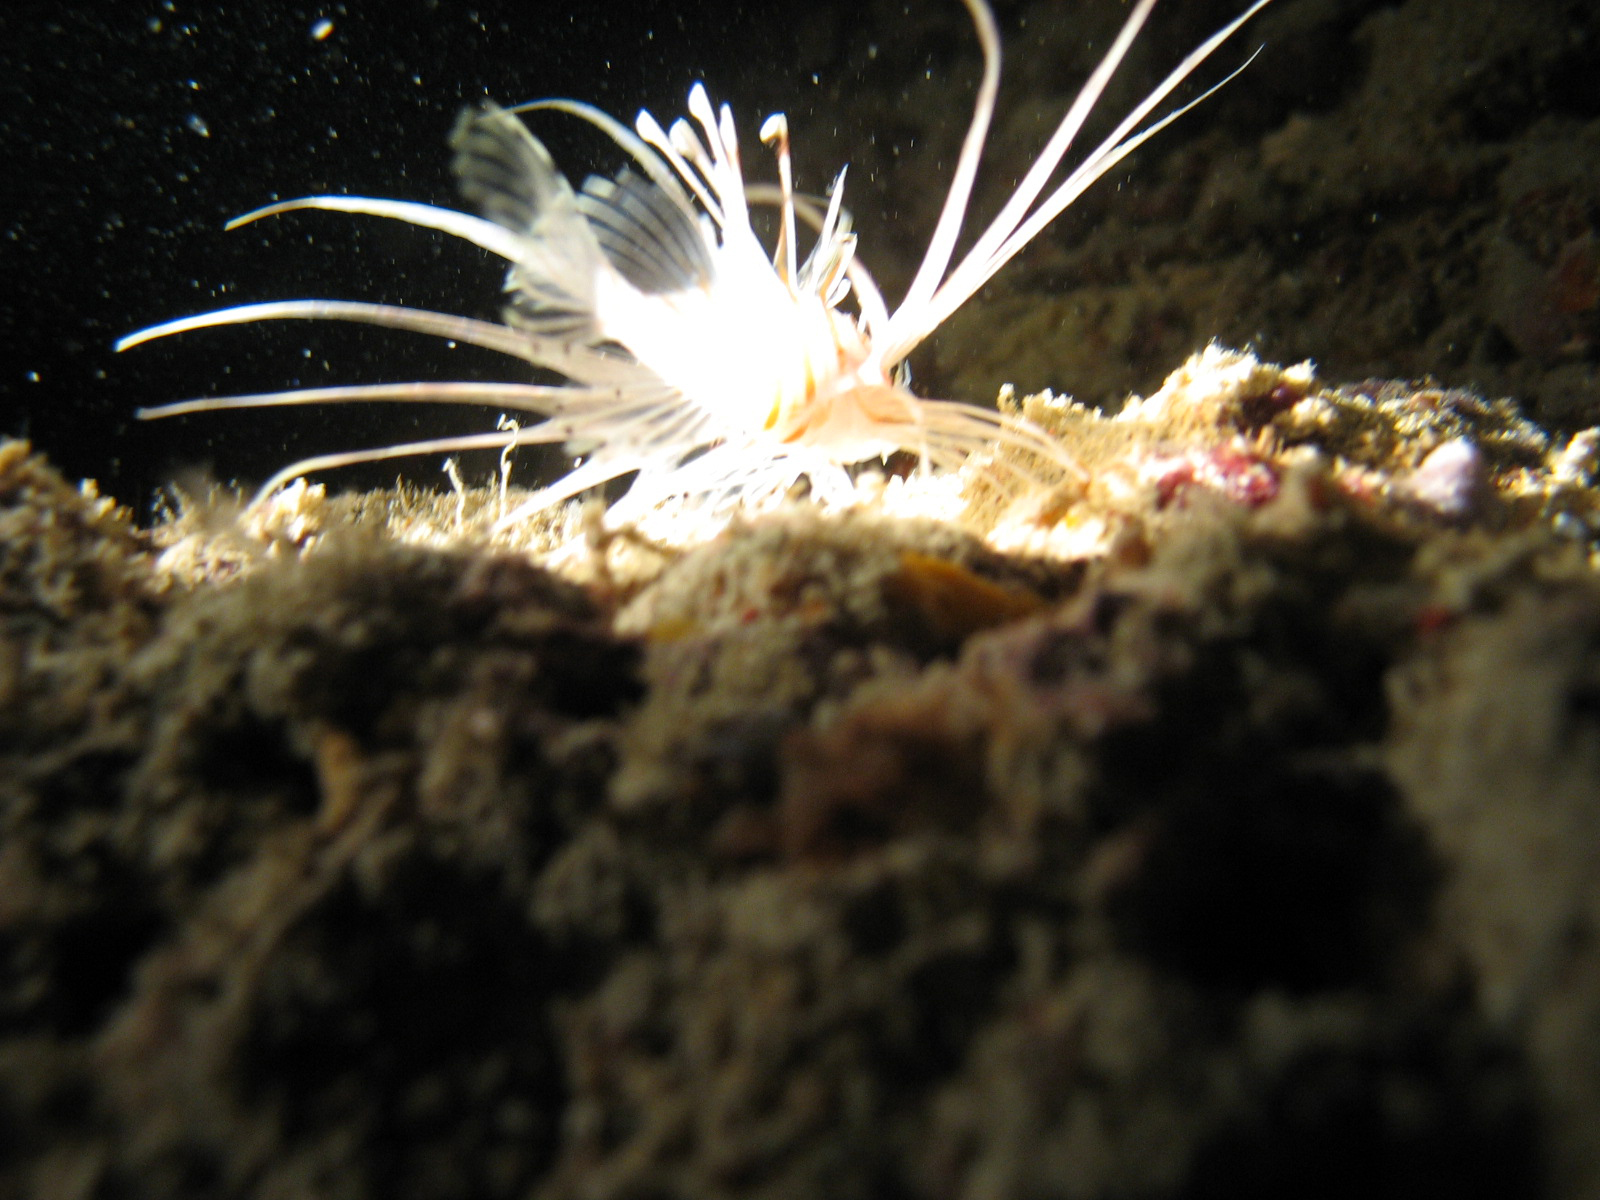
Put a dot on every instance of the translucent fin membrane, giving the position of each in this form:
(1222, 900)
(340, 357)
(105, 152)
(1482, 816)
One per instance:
(655, 245)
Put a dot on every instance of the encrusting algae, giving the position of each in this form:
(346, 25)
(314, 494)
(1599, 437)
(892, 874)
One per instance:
(1222, 826)
(1169, 839)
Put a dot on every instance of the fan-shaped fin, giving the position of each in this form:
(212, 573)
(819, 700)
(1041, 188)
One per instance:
(503, 170)
(508, 174)
(655, 243)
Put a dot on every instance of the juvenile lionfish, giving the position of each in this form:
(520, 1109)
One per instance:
(692, 357)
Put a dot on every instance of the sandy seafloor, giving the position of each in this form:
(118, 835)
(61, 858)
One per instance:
(1232, 831)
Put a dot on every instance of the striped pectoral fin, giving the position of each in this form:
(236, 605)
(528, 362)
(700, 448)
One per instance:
(505, 172)
(653, 240)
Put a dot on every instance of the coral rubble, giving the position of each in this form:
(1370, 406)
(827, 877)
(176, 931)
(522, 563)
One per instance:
(1227, 830)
